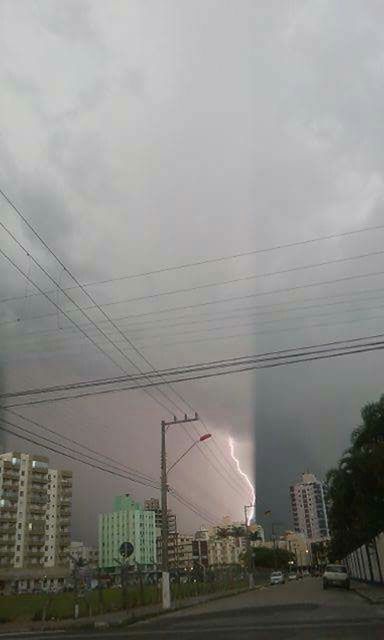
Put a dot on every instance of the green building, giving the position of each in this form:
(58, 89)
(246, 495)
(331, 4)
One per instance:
(128, 522)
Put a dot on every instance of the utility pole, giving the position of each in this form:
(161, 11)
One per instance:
(166, 591)
(251, 582)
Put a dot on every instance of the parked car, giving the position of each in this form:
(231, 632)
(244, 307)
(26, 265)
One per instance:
(292, 576)
(336, 575)
(277, 577)
(306, 574)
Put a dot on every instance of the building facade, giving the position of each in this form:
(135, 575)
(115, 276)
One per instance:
(128, 522)
(225, 551)
(35, 515)
(79, 551)
(308, 508)
(153, 504)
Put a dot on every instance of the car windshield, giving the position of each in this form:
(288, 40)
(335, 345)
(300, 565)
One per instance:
(191, 253)
(336, 568)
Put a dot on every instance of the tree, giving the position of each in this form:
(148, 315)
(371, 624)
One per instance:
(264, 557)
(355, 488)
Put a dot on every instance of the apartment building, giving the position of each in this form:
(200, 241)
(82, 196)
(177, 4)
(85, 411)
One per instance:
(128, 522)
(153, 504)
(35, 515)
(79, 551)
(308, 508)
(225, 551)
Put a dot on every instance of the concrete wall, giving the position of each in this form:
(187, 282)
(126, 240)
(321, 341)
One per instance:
(367, 562)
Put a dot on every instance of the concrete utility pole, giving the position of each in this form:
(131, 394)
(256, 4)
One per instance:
(166, 591)
(251, 582)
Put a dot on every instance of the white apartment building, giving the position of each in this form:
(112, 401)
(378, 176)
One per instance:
(308, 508)
(79, 551)
(35, 515)
(225, 551)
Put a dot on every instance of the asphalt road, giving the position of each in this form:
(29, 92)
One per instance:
(297, 610)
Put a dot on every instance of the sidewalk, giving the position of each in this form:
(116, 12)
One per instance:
(113, 619)
(374, 593)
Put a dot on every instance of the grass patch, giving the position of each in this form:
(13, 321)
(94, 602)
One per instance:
(26, 607)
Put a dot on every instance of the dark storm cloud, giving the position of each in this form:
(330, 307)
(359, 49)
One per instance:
(137, 135)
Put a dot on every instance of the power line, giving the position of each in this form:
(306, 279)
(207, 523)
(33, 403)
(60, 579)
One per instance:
(206, 336)
(80, 444)
(209, 303)
(95, 465)
(171, 371)
(137, 351)
(207, 260)
(245, 363)
(261, 310)
(28, 277)
(185, 501)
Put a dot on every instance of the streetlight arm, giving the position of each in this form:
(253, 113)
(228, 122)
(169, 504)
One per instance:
(201, 439)
(182, 456)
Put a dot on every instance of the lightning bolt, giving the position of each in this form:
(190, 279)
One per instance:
(245, 477)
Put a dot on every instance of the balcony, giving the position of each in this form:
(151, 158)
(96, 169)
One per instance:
(65, 501)
(8, 494)
(38, 500)
(7, 517)
(37, 553)
(37, 526)
(65, 521)
(37, 508)
(39, 472)
(37, 541)
(7, 529)
(10, 484)
(7, 553)
(39, 480)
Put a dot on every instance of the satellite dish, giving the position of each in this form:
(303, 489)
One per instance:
(126, 549)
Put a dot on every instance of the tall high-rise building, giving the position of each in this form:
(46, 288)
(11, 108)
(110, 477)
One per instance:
(153, 504)
(128, 522)
(308, 508)
(35, 514)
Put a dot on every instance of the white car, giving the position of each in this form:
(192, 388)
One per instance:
(336, 575)
(292, 576)
(277, 577)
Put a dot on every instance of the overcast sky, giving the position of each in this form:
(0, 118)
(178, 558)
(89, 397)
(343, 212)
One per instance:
(138, 135)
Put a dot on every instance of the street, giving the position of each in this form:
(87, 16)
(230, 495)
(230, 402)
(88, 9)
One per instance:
(299, 610)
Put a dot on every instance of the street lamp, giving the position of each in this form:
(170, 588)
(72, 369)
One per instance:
(166, 593)
(201, 439)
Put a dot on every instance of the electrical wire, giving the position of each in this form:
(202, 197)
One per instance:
(197, 366)
(137, 351)
(210, 260)
(185, 501)
(237, 312)
(86, 448)
(247, 363)
(209, 303)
